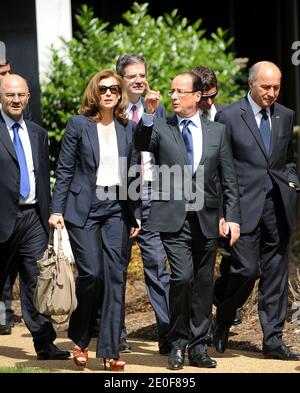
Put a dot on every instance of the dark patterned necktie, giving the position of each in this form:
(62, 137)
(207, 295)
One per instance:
(265, 132)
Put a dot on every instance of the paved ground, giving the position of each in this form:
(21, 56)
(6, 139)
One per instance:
(17, 350)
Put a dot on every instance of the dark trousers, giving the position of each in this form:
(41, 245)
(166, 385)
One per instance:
(100, 252)
(192, 258)
(6, 298)
(157, 276)
(262, 253)
(25, 246)
(222, 281)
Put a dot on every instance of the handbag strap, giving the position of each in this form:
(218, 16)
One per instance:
(59, 238)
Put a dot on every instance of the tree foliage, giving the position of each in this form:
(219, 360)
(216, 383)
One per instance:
(170, 44)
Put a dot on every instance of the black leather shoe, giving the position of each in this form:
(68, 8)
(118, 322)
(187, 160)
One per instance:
(124, 347)
(220, 337)
(51, 352)
(176, 359)
(5, 330)
(237, 318)
(202, 359)
(281, 353)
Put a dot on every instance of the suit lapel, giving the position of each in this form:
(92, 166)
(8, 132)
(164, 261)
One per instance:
(173, 123)
(33, 137)
(206, 139)
(275, 120)
(92, 134)
(249, 119)
(6, 140)
(121, 139)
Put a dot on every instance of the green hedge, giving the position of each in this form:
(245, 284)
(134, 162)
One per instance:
(170, 44)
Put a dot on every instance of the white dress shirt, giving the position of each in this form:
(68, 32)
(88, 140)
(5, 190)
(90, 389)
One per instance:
(211, 113)
(108, 172)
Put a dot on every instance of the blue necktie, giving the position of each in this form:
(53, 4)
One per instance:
(24, 177)
(265, 131)
(188, 141)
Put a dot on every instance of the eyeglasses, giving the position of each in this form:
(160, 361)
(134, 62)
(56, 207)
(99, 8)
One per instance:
(180, 93)
(211, 96)
(134, 76)
(114, 89)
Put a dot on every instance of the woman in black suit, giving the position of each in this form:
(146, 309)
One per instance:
(90, 196)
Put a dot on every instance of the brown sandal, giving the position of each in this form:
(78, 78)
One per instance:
(114, 364)
(80, 356)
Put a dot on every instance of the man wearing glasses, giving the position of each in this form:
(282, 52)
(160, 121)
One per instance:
(24, 207)
(195, 149)
(133, 69)
(209, 110)
(7, 315)
(210, 91)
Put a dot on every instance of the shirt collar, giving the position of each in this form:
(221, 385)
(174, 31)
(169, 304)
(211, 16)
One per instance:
(138, 105)
(10, 122)
(194, 119)
(256, 108)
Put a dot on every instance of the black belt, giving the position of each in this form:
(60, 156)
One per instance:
(27, 207)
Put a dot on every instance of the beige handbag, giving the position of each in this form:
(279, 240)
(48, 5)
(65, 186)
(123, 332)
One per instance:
(55, 290)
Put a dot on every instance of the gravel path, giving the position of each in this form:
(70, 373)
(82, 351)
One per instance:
(17, 350)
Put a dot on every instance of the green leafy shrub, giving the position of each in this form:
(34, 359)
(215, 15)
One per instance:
(169, 43)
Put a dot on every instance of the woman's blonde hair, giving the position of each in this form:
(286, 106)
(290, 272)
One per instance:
(91, 98)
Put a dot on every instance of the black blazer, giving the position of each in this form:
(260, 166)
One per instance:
(251, 161)
(165, 140)
(10, 177)
(77, 167)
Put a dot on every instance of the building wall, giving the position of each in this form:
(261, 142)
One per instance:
(18, 32)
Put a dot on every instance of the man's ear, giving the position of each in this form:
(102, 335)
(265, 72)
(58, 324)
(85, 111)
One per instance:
(250, 84)
(198, 95)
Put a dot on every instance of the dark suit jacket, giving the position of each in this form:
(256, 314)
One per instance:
(252, 164)
(219, 106)
(164, 139)
(10, 177)
(77, 167)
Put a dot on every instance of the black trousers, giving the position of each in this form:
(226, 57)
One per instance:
(21, 252)
(192, 259)
(262, 253)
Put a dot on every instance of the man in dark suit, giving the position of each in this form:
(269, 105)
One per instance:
(261, 133)
(133, 69)
(209, 110)
(189, 150)
(24, 206)
(6, 312)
